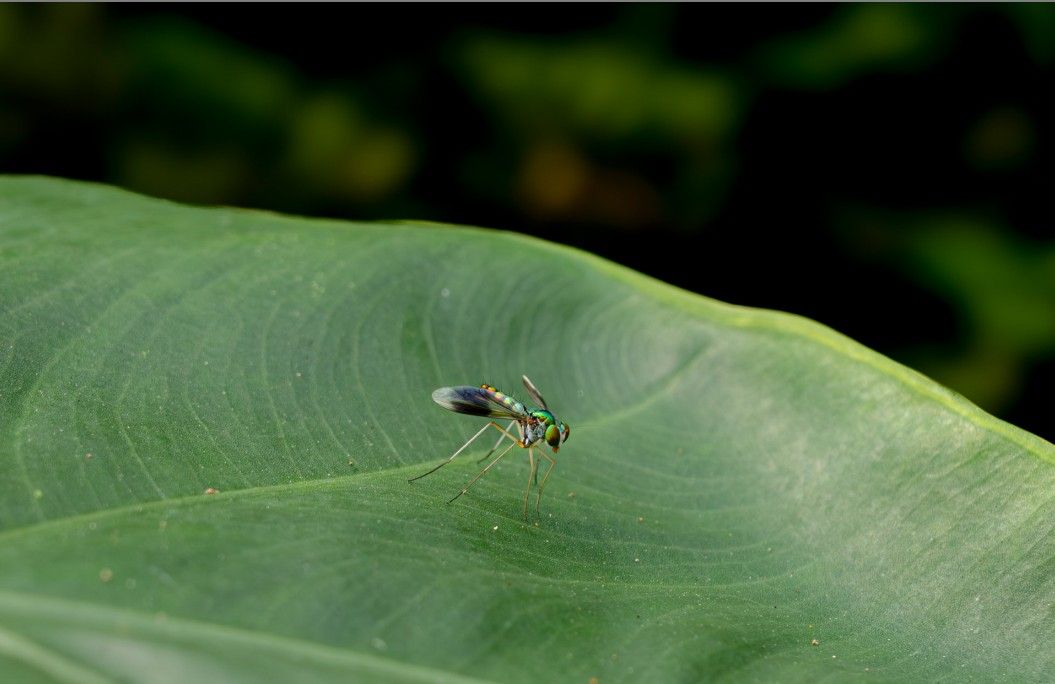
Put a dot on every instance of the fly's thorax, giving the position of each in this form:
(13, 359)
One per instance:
(534, 431)
(543, 416)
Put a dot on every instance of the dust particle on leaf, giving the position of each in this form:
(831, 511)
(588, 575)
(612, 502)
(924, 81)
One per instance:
(593, 680)
(88, 456)
(814, 642)
(212, 490)
(495, 528)
(106, 574)
(640, 519)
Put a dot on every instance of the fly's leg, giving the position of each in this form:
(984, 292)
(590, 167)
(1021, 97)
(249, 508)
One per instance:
(505, 433)
(481, 473)
(460, 450)
(533, 476)
(552, 462)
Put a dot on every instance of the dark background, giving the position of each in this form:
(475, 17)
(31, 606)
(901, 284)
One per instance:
(884, 169)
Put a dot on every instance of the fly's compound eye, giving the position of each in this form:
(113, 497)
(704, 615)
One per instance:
(553, 436)
(565, 433)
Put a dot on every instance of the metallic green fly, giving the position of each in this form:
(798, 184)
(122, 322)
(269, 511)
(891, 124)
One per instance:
(534, 426)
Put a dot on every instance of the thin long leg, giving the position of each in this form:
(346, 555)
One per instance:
(481, 473)
(552, 462)
(460, 450)
(499, 442)
(533, 476)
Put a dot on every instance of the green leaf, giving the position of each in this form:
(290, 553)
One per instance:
(738, 483)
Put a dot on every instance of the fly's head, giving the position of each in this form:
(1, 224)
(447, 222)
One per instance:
(555, 432)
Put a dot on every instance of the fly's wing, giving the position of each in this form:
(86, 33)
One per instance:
(533, 391)
(474, 401)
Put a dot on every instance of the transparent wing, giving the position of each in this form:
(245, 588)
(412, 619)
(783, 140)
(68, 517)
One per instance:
(473, 401)
(533, 391)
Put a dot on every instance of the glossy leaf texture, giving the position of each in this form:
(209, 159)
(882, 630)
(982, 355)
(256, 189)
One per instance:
(746, 495)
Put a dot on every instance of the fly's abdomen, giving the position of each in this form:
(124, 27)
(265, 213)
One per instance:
(504, 399)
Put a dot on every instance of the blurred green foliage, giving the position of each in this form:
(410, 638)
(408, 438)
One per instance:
(568, 101)
(859, 40)
(1001, 285)
(760, 156)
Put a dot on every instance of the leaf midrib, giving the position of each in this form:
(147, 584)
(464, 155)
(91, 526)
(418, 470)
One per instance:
(44, 659)
(27, 602)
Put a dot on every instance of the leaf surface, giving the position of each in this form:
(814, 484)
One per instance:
(738, 484)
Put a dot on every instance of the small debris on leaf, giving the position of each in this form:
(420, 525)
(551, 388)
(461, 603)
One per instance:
(815, 643)
(106, 574)
(211, 490)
